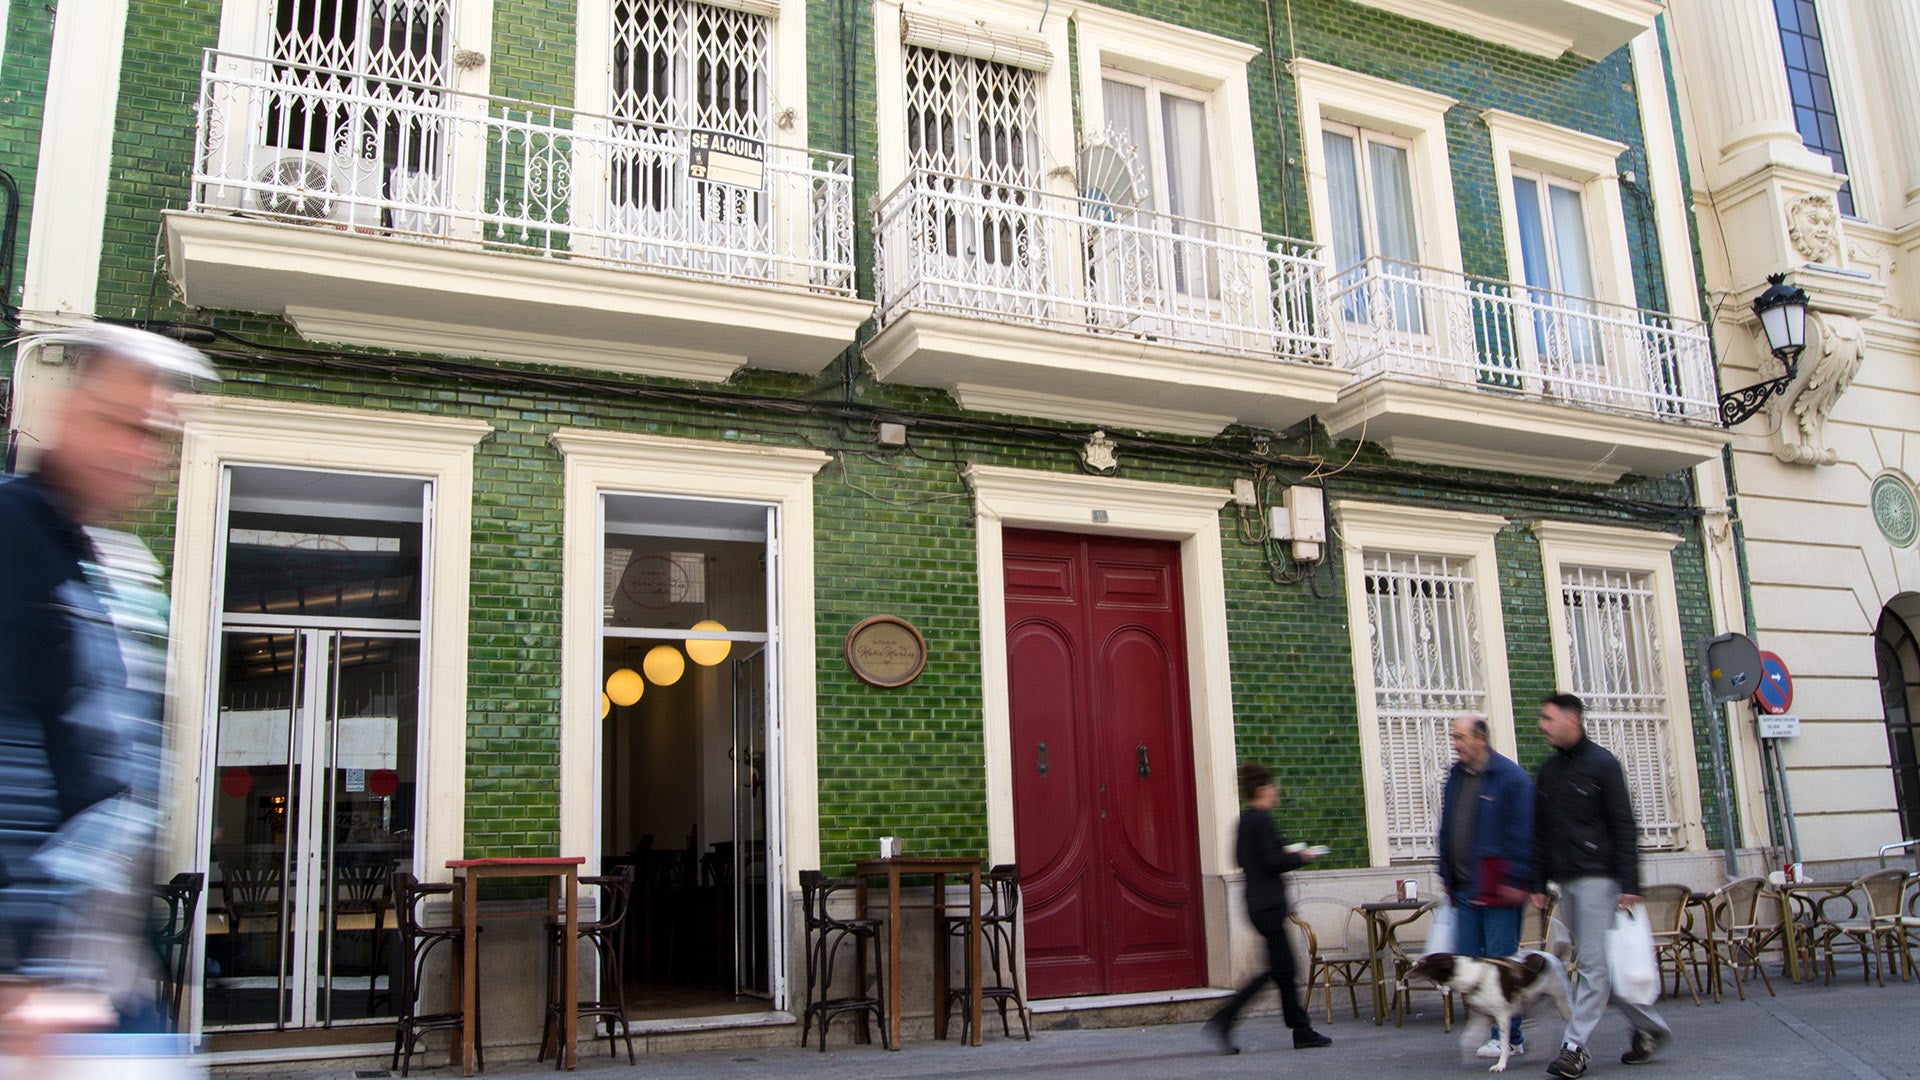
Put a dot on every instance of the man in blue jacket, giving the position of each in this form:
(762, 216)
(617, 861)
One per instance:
(1485, 841)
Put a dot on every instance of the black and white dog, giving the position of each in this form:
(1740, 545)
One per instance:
(1496, 990)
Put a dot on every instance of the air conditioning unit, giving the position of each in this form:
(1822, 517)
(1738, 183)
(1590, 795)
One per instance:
(304, 185)
(419, 203)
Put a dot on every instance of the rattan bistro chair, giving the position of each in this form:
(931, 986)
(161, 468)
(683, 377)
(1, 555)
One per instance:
(1736, 934)
(1672, 942)
(1335, 940)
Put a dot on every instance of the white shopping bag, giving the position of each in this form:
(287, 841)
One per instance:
(1442, 932)
(1631, 966)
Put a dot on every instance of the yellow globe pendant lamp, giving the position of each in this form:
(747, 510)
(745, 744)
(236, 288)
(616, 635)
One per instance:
(664, 665)
(606, 705)
(707, 653)
(625, 686)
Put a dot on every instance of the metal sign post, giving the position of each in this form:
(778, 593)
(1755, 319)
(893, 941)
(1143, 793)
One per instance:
(1730, 670)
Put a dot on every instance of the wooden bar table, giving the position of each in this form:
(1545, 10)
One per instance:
(563, 898)
(893, 870)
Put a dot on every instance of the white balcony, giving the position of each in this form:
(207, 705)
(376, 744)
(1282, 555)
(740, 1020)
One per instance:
(1458, 370)
(402, 216)
(1023, 302)
(1550, 28)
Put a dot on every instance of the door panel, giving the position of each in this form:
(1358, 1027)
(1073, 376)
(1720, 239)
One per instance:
(1105, 835)
(1049, 775)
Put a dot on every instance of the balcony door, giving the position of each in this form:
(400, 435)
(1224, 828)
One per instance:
(680, 67)
(1557, 259)
(1376, 237)
(352, 114)
(315, 740)
(973, 147)
(1203, 287)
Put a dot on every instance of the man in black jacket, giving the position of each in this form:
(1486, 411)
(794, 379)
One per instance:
(80, 690)
(1266, 861)
(1584, 838)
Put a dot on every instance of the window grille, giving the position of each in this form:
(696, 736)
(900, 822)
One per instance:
(973, 138)
(678, 65)
(1614, 644)
(373, 51)
(1428, 667)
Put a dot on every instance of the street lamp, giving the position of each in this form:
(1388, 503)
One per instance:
(1782, 310)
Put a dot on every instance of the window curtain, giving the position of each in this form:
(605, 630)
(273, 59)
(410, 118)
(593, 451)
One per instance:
(1393, 216)
(1349, 238)
(1126, 106)
(1183, 128)
(1575, 265)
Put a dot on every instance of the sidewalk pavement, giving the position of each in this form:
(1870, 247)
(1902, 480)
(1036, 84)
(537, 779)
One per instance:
(1847, 1031)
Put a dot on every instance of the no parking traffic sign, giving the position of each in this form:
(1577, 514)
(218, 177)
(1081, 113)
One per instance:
(1776, 685)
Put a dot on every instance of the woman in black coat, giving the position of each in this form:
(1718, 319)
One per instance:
(1266, 861)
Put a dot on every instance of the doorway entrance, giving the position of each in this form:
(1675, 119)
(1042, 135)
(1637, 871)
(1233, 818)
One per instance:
(1898, 654)
(315, 743)
(688, 801)
(1103, 794)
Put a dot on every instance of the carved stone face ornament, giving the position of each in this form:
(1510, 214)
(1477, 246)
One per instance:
(1813, 227)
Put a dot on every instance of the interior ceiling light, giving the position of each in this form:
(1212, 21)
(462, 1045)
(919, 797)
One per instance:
(625, 686)
(708, 652)
(664, 665)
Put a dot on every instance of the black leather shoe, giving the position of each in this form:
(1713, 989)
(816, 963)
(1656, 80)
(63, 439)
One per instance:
(1308, 1039)
(1221, 1034)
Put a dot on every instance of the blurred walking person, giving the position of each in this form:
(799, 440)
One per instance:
(82, 665)
(1266, 861)
(1584, 837)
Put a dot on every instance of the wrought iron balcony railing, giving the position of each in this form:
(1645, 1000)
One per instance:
(1402, 319)
(331, 148)
(956, 245)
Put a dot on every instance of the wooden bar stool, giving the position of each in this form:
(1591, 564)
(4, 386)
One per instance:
(606, 932)
(417, 943)
(1000, 933)
(826, 934)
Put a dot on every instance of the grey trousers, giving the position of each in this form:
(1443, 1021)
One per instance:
(1587, 906)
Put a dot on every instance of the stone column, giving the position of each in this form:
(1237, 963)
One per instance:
(1897, 24)
(1737, 66)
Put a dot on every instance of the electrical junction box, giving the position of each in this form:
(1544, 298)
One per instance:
(1302, 519)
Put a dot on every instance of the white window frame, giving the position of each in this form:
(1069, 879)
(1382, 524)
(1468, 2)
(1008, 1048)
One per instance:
(1363, 176)
(1642, 552)
(222, 431)
(1010, 17)
(1335, 95)
(602, 462)
(1365, 526)
(1577, 160)
(1147, 52)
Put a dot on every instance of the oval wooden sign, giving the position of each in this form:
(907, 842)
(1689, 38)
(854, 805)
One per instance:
(886, 650)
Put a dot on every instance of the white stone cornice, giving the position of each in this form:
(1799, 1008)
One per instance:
(1575, 534)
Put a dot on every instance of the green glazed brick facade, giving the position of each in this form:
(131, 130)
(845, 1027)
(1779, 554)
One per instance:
(894, 529)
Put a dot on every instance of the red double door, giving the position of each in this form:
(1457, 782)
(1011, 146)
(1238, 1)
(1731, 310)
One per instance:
(1102, 765)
